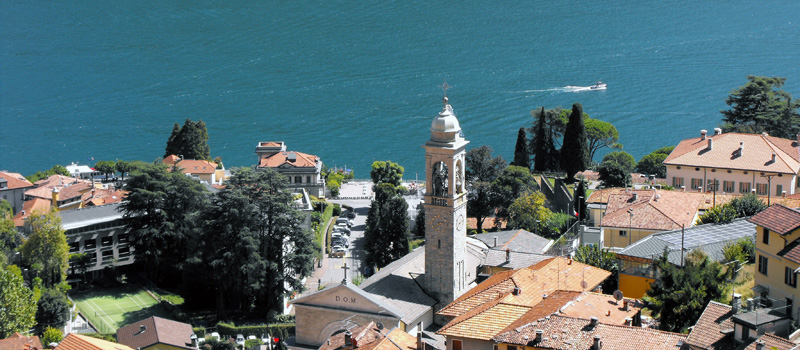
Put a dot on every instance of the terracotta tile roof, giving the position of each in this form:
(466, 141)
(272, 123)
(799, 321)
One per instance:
(157, 330)
(756, 155)
(75, 341)
(488, 223)
(370, 337)
(270, 144)
(706, 333)
(171, 159)
(602, 306)
(791, 251)
(771, 342)
(652, 209)
(102, 196)
(20, 342)
(14, 180)
(192, 166)
(68, 187)
(778, 218)
(36, 205)
(561, 332)
(485, 321)
(302, 160)
(546, 307)
(542, 278)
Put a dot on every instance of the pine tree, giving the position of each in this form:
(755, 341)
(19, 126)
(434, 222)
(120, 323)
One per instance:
(522, 156)
(575, 151)
(172, 143)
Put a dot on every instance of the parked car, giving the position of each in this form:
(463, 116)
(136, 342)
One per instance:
(343, 221)
(342, 228)
(338, 252)
(340, 242)
(215, 336)
(351, 214)
(240, 340)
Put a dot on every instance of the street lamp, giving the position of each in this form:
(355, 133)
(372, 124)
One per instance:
(580, 208)
(769, 185)
(630, 226)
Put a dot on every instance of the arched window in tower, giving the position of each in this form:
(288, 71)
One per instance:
(459, 172)
(439, 177)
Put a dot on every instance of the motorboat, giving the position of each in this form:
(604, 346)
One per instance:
(599, 86)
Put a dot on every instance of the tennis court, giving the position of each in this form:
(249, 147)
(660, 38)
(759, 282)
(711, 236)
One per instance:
(110, 309)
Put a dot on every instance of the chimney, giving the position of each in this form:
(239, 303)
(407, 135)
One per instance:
(597, 344)
(142, 328)
(593, 321)
(517, 291)
(741, 147)
(635, 196)
(55, 197)
(628, 321)
(495, 242)
(539, 335)
(625, 305)
(783, 194)
(348, 338)
(508, 255)
(736, 303)
(717, 131)
(710, 143)
(764, 133)
(750, 304)
(773, 158)
(419, 340)
(703, 134)
(760, 345)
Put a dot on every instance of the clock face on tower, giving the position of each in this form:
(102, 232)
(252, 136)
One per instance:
(438, 220)
(460, 222)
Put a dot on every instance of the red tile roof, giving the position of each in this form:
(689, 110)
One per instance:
(36, 205)
(102, 196)
(756, 155)
(791, 251)
(157, 331)
(302, 160)
(20, 342)
(488, 223)
(192, 166)
(706, 333)
(652, 209)
(370, 337)
(603, 306)
(777, 218)
(561, 332)
(75, 341)
(485, 321)
(772, 342)
(535, 281)
(68, 187)
(14, 180)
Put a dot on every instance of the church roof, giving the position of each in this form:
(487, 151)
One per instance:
(394, 286)
(383, 305)
(515, 240)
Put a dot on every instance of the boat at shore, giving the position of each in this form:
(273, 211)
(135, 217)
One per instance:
(599, 86)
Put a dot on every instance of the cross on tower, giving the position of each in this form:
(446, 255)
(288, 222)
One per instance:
(444, 87)
(345, 268)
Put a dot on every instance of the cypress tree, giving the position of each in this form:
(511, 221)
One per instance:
(521, 155)
(172, 146)
(541, 156)
(580, 203)
(575, 150)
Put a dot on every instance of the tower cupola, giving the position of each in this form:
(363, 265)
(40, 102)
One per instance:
(445, 127)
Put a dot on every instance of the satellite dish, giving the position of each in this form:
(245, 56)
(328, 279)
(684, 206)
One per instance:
(379, 325)
(584, 284)
(618, 295)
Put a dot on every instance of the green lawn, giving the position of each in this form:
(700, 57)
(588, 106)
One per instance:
(110, 309)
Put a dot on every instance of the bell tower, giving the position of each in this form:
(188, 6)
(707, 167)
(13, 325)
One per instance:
(445, 208)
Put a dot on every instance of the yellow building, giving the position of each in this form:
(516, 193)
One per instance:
(778, 255)
(633, 215)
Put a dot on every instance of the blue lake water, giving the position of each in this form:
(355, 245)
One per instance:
(357, 81)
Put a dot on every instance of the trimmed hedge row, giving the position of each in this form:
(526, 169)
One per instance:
(281, 330)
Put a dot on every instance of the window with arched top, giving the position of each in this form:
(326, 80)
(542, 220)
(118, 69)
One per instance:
(439, 176)
(459, 172)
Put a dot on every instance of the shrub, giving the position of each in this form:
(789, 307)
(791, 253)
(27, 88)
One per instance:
(51, 335)
(281, 330)
(337, 210)
(747, 205)
(251, 343)
(721, 214)
(748, 248)
(200, 332)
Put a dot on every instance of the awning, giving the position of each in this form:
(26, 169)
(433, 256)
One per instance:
(758, 289)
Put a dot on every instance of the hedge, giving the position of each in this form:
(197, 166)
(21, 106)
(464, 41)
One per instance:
(281, 330)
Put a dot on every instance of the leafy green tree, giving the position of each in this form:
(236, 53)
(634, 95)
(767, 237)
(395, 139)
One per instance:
(575, 151)
(579, 199)
(189, 141)
(653, 163)
(513, 183)
(17, 303)
(600, 134)
(229, 249)
(106, 167)
(721, 214)
(123, 167)
(622, 158)
(46, 250)
(481, 170)
(419, 222)
(544, 135)
(762, 106)
(51, 335)
(10, 239)
(529, 212)
(80, 263)
(52, 309)
(522, 156)
(161, 211)
(386, 172)
(55, 170)
(334, 182)
(611, 174)
(747, 205)
(601, 258)
(386, 235)
(288, 250)
(679, 295)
